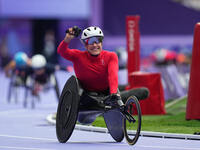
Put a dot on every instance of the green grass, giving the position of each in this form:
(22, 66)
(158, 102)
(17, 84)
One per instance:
(173, 122)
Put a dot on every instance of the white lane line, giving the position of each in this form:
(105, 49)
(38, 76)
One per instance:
(110, 143)
(22, 148)
(11, 111)
(25, 116)
(27, 137)
(141, 146)
(168, 147)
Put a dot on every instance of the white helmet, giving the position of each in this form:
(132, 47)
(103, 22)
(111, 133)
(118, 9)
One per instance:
(38, 61)
(90, 32)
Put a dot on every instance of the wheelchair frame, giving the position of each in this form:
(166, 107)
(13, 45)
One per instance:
(69, 111)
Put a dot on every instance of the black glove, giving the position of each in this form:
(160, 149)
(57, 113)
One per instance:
(76, 30)
(117, 100)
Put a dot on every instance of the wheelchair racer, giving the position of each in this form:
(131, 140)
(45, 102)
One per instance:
(95, 68)
(20, 67)
(43, 74)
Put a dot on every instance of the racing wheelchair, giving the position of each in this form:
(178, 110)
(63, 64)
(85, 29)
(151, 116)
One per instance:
(16, 82)
(73, 107)
(35, 87)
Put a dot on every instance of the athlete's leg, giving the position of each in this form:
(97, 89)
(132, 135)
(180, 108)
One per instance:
(140, 93)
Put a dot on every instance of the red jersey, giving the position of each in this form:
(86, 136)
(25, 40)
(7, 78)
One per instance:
(96, 73)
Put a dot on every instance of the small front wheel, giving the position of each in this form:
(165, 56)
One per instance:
(132, 120)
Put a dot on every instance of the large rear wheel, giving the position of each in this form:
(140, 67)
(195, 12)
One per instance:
(132, 121)
(67, 110)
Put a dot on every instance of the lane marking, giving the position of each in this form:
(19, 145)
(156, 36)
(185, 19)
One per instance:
(25, 116)
(11, 111)
(23, 148)
(113, 143)
(167, 147)
(96, 142)
(174, 102)
(27, 137)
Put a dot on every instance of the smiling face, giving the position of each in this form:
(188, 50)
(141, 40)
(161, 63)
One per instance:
(94, 45)
(94, 49)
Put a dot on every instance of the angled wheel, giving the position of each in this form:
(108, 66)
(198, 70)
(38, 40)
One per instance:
(67, 110)
(28, 91)
(56, 87)
(132, 122)
(13, 87)
(53, 80)
(26, 96)
(10, 90)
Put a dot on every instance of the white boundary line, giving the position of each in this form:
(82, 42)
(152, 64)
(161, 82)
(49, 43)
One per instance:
(27, 137)
(175, 101)
(50, 119)
(5, 112)
(22, 148)
(46, 139)
(167, 147)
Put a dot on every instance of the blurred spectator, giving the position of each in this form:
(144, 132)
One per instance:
(123, 72)
(5, 58)
(122, 56)
(50, 47)
(164, 57)
(183, 59)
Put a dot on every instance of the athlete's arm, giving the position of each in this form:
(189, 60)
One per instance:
(63, 48)
(113, 73)
(9, 67)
